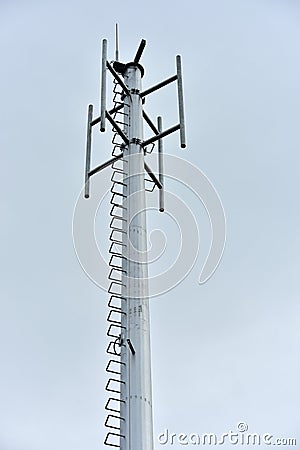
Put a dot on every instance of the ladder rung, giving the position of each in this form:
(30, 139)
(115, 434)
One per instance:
(149, 185)
(149, 148)
(115, 225)
(116, 419)
(111, 348)
(113, 299)
(117, 140)
(115, 288)
(116, 275)
(117, 199)
(117, 90)
(118, 164)
(117, 211)
(112, 326)
(117, 189)
(113, 388)
(111, 319)
(116, 237)
(110, 443)
(117, 177)
(118, 268)
(110, 370)
(115, 249)
(111, 399)
(117, 262)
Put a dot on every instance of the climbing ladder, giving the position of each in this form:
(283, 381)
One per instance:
(117, 265)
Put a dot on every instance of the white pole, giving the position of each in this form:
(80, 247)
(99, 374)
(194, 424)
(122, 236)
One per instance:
(136, 372)
(103, 85)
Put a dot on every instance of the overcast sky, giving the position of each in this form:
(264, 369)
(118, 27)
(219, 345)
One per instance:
(223, 352)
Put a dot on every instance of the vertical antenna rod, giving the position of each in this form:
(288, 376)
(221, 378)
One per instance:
(103, 86)
(88, 152)
(161, 191)
(180, 102)
(117, 43)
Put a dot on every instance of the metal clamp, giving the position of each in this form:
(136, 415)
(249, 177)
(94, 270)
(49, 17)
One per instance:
(135, 141)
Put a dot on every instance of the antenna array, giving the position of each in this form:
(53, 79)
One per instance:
(129, 407)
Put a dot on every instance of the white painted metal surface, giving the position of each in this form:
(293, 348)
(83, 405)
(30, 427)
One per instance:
(136, 370)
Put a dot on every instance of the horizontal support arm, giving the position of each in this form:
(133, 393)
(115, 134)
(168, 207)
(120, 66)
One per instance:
(111, 111)
(104, 165)
(158, 86)
(150, 123)
(161, 135)
(152, 176)
(117, 128)
(139, 51)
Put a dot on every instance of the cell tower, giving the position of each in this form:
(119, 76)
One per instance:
(129, 407)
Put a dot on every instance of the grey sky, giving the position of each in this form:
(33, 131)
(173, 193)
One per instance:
(223, 352)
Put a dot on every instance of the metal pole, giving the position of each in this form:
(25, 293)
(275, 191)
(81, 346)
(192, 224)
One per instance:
(180, 102)
(88, 151)
(117, 43)
(161, 168)
(103, 86)
(137, 391)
